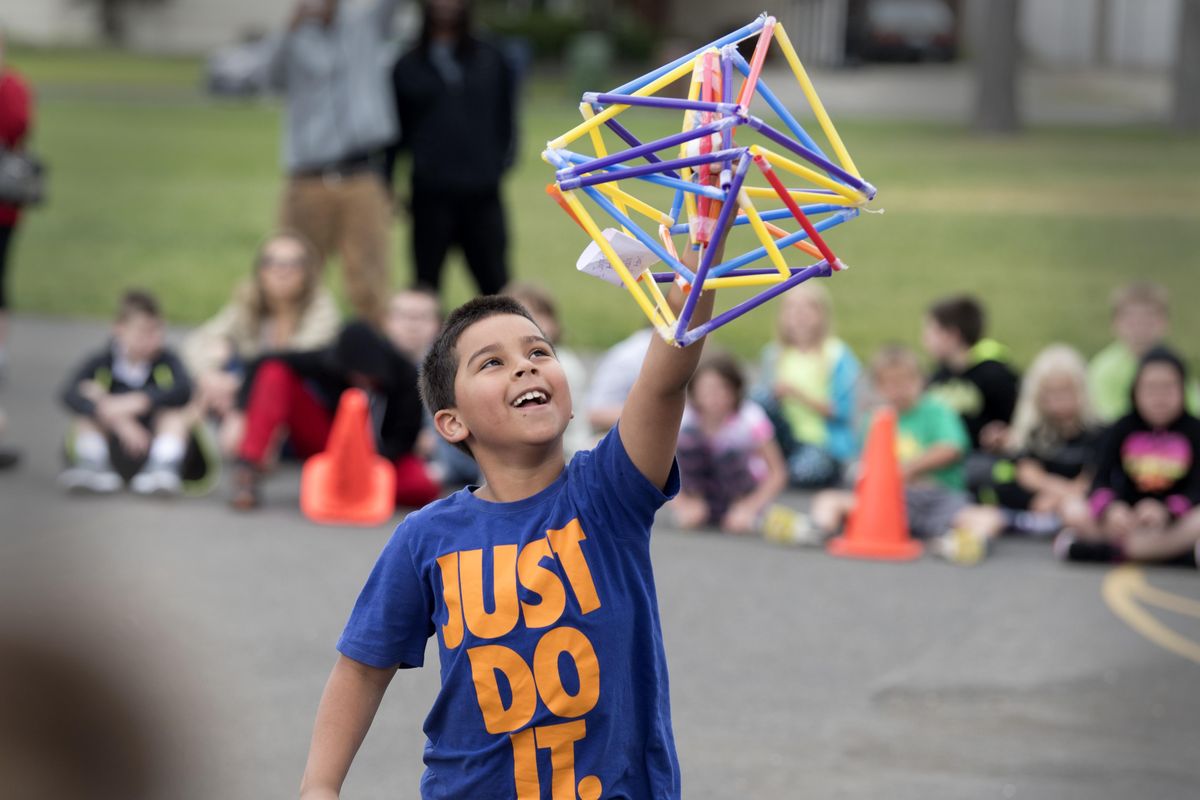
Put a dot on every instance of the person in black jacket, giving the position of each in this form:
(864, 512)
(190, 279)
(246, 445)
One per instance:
(455, 99)
(1145, 499)
(298, 393)
(127, 402)
(973, 374)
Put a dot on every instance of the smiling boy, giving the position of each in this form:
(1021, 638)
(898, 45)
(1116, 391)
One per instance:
(538, 584)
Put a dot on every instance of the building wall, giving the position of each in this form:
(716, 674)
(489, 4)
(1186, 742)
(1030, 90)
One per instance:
(1138, 34)
(47, 21)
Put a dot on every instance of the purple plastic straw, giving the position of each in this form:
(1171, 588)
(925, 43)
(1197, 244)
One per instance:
(811, 157)
(719, 229)
(624, 135)
(649, 147)
(727, 97)
(571, 182)
(658, 102)
(820, 269)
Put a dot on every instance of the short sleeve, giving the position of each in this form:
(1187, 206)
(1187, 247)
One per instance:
(948, 429)
(393, 617)
(618, 490)
(758, 424)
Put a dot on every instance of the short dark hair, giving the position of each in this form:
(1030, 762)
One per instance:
(726, 368)
(962, 314)
(894, 354)
(137, 301)
(441, 362)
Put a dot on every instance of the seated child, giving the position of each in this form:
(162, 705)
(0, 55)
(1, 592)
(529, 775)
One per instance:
(541, 307)
(1051, 447)
(931, 442)
(282, 307)
(298, 394)
(412, 323)
(731, 468)
(1140, 320)
(613, 377)
(1145, 499)
(538, 585)
(127, 402)
(972, 374)
(808, 383)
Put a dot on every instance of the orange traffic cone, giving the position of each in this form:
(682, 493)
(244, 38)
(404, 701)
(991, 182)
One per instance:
(878, 526)
(349, 483)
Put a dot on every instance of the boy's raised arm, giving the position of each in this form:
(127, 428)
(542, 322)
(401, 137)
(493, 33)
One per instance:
(649, 424)
(348, 706)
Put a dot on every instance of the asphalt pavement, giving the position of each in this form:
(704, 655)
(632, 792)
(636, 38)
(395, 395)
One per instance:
(793, 674)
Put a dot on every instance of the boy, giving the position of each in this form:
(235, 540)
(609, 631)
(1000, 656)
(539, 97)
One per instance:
(127, 402)
(1140, 320)
(561, 689)
(412, 321)
(971, 376)
(931, 443)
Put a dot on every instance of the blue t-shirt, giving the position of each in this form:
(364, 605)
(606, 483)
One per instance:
(554, 678)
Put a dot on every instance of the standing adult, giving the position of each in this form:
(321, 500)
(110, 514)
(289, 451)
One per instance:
(16, 115)
(455, 97)
(332, 64)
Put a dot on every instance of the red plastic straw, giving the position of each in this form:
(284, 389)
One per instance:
(756, 63)
(769, 173)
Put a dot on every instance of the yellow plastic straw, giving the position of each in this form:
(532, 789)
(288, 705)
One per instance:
(612, 111)
(618, 265)
(660, 302)
(732, 281)
(818, 108)
(801, 196)
(622, 198)
(689, 198)
(601, 151)
(802, 171)
(760, 231)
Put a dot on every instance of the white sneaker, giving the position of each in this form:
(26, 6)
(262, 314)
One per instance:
(159, 481)
(90, 480)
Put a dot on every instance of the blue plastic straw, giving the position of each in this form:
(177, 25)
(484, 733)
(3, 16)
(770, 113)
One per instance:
(741, 33)
(784, 241)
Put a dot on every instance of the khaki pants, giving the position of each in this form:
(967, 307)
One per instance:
(350, 216)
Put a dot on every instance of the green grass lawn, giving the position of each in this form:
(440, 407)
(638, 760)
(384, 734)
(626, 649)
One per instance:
(155, 185)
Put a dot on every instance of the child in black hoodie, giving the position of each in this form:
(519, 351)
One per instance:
(1145, 500)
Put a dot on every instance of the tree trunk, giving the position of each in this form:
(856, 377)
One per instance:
(1185, 107)
(996, 55)
(112, 22)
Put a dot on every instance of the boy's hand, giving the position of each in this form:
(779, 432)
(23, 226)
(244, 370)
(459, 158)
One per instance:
(649, 424)
(134, 439)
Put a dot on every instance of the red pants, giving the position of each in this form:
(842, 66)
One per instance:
(280, 401)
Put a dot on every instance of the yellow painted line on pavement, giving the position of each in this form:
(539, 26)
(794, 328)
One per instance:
(1125, 586)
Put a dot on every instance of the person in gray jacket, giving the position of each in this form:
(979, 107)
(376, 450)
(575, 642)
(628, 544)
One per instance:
(333, 65)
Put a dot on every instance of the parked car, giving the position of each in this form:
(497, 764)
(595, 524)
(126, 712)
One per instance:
(903, 30)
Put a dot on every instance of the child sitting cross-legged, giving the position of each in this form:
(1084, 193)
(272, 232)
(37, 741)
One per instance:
(1145, 500)
(730, 465)
(931, 443)
(538, 584)
(808, 384)
(1051, 446)
(126, 402)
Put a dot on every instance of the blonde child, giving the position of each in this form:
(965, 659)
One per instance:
(1051, 445)
(808, 383)
(1140, 320)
